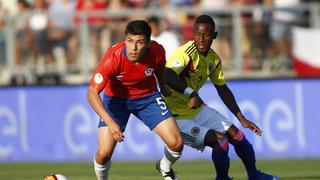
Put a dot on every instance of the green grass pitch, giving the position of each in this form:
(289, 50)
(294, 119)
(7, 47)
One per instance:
(307, 169)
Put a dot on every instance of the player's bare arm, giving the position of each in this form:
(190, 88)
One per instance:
(97, 105)
(229, 100)
(174, 82)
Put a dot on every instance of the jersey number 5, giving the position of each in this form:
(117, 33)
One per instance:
(161, 103)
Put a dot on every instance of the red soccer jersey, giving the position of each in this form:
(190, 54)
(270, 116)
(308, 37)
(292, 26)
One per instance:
(119, 77)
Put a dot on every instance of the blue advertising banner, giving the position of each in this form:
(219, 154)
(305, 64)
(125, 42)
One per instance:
(58, 124)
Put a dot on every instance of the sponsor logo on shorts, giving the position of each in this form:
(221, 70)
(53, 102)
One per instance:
(195, 131)
(165, 112)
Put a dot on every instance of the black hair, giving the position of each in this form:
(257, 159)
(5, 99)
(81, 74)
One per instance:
(154, 19)
(139, 27)
(25, 3)
(205, 19)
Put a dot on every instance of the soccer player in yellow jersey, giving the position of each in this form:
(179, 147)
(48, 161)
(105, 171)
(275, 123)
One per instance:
(187, 70)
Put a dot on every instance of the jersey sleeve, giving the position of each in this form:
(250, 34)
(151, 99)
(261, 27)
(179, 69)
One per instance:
(178, 61)
(216, 73)
(102, 72)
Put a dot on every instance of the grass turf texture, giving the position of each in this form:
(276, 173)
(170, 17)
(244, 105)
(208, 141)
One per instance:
(186, 170)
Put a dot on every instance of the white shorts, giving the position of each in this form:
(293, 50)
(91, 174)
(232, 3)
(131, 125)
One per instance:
(194, 130)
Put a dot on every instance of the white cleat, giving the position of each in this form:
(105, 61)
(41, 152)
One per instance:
(166, 175)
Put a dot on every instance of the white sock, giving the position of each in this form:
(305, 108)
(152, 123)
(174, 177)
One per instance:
(169, 158)
(102, 170)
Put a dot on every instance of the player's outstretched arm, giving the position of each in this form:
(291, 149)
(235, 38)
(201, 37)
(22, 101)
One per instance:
(228, 99)
(97, 105)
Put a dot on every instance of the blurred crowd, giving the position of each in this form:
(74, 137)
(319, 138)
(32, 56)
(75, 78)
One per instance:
(48, 36)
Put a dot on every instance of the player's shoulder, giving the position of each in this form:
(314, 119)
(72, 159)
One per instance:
(184, 51)
(212, 55)
(114, 51)
(214, 59)
(117, 47)
(155, 46)
(187, 48)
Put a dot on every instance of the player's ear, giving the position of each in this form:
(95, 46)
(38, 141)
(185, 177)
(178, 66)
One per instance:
(215, 34)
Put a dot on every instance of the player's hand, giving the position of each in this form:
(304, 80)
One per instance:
(115, 131)
(248, 124)
(165, 90)
(195, 101)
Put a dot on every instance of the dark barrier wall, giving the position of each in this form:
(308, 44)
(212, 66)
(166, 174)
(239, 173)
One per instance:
(57, 123)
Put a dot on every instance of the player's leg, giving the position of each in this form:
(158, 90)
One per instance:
(117, 109)
(219, 144)
(197, 136)
(170, 134)
(243, 148)
(214, 120)
(102, 160)
(154, 113)
(245, 151)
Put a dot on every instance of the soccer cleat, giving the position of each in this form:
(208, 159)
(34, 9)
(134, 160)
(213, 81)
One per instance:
(263, 176)
(166, 175)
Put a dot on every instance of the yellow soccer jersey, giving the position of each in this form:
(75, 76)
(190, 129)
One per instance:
(193, 69)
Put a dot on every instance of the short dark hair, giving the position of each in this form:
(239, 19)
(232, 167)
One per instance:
(139, 27)
(154, 19)
(205, 19)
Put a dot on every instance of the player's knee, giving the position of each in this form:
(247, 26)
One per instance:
(220, 136)
(103, 156)
(176, 144)
(232, 131)
(213, 138)
(179, 143)
(235, 135)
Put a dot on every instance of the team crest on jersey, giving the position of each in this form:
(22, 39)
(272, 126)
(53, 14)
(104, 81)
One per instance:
(190, 66)
(149, 71)
(195, 131)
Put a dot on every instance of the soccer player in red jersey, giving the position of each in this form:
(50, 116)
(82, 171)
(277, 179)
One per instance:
(128, 75)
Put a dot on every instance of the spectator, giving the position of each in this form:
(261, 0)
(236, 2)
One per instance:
(23, 36)
(60, 29)
(222, 44)
(169, 40)
(96, 25)
(2, 36)
(280, 32)
(38, 24)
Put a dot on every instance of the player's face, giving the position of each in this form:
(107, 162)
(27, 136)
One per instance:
(136, 46)
(203, 36)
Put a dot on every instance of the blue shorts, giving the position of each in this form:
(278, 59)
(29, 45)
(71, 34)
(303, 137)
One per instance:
(150, 109)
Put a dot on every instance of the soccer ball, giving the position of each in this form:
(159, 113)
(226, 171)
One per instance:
(55, 177)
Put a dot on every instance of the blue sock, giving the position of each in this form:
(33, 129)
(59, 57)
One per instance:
(221, 159)
(245, 151)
